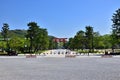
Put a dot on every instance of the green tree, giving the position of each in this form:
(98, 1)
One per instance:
(79, 40)
(16, 43)
(5, 30)
(52, 44)
(103, 41)
(96, 39)
(89, 37)
(4, 33)
(42, 40)
(106, 39)
(115, 29)
(32, 33)
(38, 37)
(116, 23)
(113, 41)
(3, 45)
(71, 44)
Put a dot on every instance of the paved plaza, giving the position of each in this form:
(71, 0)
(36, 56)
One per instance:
(60, 68)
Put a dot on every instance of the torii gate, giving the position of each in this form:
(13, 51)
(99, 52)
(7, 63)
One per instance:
(59, 40)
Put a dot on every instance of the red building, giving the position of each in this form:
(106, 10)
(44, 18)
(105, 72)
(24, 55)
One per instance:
(60, 40)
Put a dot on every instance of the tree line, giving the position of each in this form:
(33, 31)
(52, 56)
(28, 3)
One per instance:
(36, 38)
(93, 40)
(89, 40)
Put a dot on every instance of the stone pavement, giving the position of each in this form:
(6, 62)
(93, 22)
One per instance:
(47, 68)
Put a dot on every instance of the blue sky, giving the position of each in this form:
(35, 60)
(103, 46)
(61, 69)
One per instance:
(62, 18)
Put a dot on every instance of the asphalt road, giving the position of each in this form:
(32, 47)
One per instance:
(84, 68)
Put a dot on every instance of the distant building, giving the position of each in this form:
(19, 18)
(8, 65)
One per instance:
(60, 42)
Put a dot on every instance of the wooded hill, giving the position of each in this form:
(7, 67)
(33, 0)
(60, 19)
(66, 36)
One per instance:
(17, 32)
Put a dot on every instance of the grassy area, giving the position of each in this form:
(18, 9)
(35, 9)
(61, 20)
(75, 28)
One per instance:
(3, 53)
(87, 51)
(41, 51)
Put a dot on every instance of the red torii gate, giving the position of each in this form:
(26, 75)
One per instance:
(60, 40)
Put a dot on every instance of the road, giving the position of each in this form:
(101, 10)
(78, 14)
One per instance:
(47, 68)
